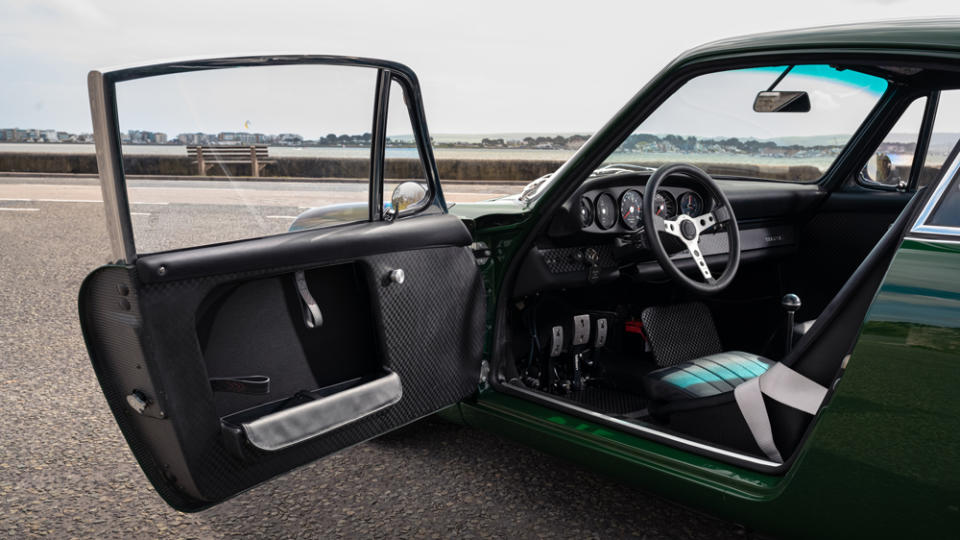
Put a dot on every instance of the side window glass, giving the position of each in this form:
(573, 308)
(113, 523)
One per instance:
(229, 154)
(947, 213)
(946, 133)
(891, 163)
(403, 164)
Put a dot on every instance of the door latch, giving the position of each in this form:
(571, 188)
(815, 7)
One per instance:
(312, 317)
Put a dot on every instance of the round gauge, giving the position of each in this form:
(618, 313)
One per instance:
(606, 211)
(630, 208)
(585, 212)
(690, 204)
(664, 205)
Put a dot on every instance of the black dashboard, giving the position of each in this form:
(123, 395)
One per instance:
(598, 232)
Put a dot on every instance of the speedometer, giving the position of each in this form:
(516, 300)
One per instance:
(664, 205)
(606, 211)
(630, 208)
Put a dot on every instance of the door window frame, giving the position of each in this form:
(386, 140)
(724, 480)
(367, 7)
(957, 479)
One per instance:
(103, 106)
(924, 135)
(951, 177)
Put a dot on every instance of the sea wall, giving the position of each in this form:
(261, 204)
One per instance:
(450, 169)
(297, 167)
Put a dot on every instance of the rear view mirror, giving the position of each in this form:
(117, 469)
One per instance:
(782, 101)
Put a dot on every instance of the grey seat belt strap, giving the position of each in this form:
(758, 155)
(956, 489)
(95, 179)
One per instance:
(792, 389)
(781, 384)
(750, 400)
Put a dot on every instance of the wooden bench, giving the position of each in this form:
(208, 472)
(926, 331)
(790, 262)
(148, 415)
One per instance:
(204, 156)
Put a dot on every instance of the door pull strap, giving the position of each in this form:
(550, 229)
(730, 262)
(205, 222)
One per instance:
(312, 317)
(248, 384)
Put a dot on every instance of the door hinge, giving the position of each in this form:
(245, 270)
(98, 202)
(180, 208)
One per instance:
(481, 252)
(484, 373)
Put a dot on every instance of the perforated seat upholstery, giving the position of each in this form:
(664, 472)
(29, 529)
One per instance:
(704, 377)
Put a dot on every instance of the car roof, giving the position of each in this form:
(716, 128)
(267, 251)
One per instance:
(909, 34)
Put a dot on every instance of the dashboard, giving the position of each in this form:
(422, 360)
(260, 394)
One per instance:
(598, 232)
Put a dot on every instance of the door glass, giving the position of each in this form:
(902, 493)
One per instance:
(891, 162)
(947, 213)
(228, 154)
(403, 162)
(946, 133)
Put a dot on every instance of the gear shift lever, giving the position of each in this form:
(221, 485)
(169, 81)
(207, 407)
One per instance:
(790, 303)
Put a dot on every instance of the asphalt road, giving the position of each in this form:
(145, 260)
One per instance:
(65, 470)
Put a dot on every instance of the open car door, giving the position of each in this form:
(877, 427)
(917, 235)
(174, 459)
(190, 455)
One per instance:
(231, 361)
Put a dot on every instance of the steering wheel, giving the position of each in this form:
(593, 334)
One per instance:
(689, 229)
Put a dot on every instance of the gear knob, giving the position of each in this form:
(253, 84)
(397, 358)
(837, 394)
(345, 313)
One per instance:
(790, 302)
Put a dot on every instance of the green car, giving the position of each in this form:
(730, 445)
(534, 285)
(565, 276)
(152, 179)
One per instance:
(743, 293)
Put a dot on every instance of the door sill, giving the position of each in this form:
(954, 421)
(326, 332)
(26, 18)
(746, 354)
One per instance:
(645, 431)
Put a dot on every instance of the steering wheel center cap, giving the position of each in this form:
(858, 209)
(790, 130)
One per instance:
(688, 229)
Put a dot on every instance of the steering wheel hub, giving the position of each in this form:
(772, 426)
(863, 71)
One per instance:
(689, 231)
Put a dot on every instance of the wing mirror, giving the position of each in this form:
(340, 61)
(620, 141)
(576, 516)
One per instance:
(881, 170)
(406, 196)
(781, 101)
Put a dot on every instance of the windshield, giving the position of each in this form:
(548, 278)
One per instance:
(711, 122)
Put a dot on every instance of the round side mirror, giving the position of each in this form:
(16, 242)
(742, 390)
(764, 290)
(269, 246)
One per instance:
(407, 195)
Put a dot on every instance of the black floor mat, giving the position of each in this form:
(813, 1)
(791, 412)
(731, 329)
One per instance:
(607, 400)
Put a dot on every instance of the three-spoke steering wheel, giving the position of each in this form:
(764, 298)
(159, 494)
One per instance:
(689, 230)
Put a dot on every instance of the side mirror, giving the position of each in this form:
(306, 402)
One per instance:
(781, 101)
(881, 170)
(407, 195)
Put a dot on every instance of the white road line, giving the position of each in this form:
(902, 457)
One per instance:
(68, 200)
(139, 213)
(20, 209)
(5, 199)
(281, 217)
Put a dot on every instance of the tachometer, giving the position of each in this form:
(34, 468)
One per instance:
(606, 211)
(690, 204)
(585, 212)
(664, 205)
(630, 208)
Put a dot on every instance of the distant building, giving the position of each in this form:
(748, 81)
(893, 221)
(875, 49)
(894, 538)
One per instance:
(160, 138)
(289, 139)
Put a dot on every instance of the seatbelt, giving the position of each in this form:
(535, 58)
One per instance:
(783, 385)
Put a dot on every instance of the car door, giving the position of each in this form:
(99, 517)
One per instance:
(230, 355)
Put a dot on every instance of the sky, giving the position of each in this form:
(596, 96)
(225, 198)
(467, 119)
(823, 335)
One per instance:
(485, 67)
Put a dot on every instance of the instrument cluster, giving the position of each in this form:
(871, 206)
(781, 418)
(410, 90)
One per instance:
(622, 209)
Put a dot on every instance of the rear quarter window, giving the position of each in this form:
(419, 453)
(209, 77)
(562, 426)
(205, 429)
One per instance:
(947, 211)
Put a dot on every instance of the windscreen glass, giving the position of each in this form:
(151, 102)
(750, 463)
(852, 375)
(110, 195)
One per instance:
(711, 122)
